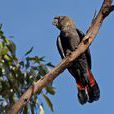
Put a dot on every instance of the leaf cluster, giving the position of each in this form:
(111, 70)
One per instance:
(17, 75)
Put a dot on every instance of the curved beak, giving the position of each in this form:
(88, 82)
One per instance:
(55, 22)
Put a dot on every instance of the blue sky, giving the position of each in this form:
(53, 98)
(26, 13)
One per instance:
(30, 22)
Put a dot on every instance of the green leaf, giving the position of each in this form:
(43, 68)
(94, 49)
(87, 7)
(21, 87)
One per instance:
(3, 51)
(50, 90)
(43, 70)
(22, 63)
(41, 109)
(27, 65)
(11, 46)
(29, 51)
(50, 64)
(32, 108)
(35, 59)
(7, 57)
(0, 26)
(48, 101)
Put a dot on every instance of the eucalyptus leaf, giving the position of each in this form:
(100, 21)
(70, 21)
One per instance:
(48, 101)
(29, 51)
(50, 64)
(41, 109)
(51, 90)
(11, 46)
(1, 26)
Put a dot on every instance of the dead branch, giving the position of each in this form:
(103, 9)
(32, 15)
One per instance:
(105, 10)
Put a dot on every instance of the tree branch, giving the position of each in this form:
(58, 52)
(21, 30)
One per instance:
(105, 10)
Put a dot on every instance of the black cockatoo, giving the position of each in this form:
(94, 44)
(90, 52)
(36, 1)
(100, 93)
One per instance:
(67, 41)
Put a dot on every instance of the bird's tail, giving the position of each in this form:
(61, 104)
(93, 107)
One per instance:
(82, 93)
(88, 90)
(93, 88)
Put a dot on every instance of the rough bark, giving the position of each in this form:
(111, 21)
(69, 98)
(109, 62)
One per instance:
(105, 10)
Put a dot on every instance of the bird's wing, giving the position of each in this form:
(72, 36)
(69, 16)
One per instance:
(60, 48)
(88, 55)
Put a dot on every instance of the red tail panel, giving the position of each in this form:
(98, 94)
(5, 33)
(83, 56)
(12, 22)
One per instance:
(91, 78)
(80, 86)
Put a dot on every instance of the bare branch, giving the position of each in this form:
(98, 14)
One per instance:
(105, 10)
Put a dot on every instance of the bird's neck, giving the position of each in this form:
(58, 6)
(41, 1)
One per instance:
(68, 31)
(68, 28)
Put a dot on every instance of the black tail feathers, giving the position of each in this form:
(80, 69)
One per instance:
(93, 93)
(89, 92)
